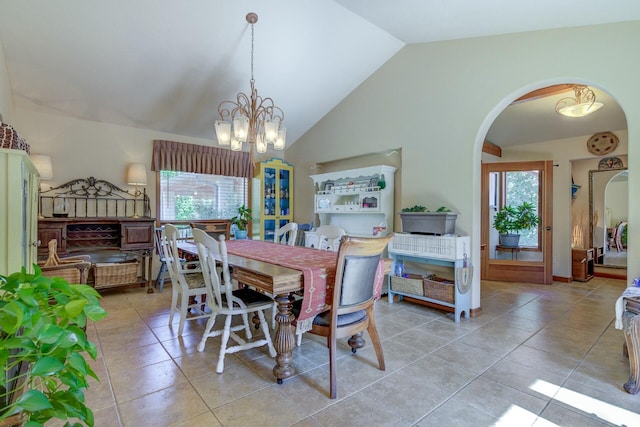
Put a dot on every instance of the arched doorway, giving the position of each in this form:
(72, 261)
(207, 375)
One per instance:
(530, 129)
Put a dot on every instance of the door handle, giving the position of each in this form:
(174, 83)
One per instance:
(548, 228)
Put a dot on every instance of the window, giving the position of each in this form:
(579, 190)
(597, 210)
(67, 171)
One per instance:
(523, 186)
(186, 196)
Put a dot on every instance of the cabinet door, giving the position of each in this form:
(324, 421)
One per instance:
(48, 232)
(137, 235)
(276, 197)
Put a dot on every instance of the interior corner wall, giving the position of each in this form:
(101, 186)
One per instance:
(437, 100)
(6, 97)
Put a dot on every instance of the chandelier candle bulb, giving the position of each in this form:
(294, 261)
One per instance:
(279, 144)
(261, 145)
(223, 132)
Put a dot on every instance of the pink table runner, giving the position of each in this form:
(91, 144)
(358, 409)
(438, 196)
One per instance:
(318, 269)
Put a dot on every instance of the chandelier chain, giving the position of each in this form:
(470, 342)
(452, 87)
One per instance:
(252, 80)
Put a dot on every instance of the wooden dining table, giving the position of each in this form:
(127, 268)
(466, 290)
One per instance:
(282, 270)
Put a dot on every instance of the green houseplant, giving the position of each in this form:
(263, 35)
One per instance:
(241, 220)
(42, 341)
(509, 221)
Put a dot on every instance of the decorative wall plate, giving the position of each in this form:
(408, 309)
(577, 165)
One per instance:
(610, 163)
(602, 143)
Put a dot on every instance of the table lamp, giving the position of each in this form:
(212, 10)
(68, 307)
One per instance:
(43, 165)
(136, 175)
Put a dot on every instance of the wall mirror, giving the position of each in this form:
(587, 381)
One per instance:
(608, 208)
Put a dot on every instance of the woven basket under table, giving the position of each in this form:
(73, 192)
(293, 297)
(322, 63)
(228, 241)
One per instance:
(114, 274)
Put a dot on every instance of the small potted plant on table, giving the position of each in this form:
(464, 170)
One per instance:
(241, 221)
(510, 220)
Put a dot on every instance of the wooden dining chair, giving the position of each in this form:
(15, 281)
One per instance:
(354, 295)
(286, 234)
(188, 291)
(227, 302)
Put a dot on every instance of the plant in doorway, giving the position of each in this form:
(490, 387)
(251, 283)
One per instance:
(241, 221)
(510, 220)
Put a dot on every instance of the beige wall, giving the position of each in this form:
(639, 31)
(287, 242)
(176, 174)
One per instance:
(6, 98)
(437, 100)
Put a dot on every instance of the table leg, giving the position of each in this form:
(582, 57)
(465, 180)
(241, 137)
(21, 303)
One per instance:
(284, 339)
(148, 259)
(632, 339)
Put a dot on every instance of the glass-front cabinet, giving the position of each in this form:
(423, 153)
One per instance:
(272, 201)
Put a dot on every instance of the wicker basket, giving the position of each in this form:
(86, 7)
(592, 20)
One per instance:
(71, 274)
(413, 284)
(114, 274)
(439, 289)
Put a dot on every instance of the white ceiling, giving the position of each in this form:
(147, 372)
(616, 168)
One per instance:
(166, 65)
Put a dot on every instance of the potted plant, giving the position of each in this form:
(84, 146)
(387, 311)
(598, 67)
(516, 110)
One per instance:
(241, 221)
(42, 342)
(418, 219)
(509, 221)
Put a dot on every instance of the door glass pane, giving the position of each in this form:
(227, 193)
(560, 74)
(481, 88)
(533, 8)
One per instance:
(523, 186)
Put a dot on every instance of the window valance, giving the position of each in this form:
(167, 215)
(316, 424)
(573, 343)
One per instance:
(183, 157)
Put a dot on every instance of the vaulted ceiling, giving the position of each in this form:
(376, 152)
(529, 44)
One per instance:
(166, 65)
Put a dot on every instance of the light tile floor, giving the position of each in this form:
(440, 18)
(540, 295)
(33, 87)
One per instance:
(537, 356)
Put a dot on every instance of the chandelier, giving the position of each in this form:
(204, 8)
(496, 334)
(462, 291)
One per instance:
(582, 105)
(251, 117)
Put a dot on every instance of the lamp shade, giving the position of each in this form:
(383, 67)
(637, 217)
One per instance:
(580, 110)
(136, 174)
(43, 165)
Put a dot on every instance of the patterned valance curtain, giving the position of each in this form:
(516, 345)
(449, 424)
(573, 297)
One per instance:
(179, 156)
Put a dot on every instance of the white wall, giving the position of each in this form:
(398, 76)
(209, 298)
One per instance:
(437, 101)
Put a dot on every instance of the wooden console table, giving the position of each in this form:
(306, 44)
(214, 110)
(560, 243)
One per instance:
(95, 217)
(93, 235)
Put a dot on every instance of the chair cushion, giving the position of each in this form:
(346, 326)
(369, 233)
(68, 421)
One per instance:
(194, 280)
(324, 318)
(251, 297)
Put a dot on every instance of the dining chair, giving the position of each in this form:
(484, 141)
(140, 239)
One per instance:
(300, 238)
(227, 302)
(286, 234)
(187, 281)
(330, 237)
(162, 271)
(354, 295)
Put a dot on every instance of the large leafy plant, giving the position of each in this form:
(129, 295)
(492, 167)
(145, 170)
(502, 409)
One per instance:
(515, 218)
(42, 322)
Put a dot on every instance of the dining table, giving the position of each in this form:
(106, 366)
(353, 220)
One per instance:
(281, 271)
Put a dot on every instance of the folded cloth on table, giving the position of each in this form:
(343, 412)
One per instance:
(631, 291)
